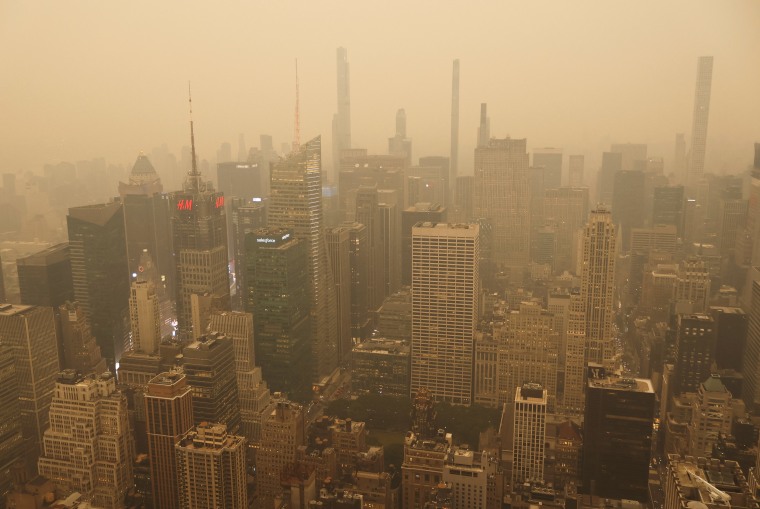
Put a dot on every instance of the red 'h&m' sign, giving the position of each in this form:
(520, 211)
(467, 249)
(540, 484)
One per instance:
(185, 204)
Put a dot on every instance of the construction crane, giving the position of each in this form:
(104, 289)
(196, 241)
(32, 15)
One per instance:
(716, 495)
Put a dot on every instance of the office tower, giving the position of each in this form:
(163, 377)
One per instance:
(44, 278)
(617, 437)
(11, 438)
(746, 254)
(381, 366)
(474, 478)
(463, 199)
(699, 122)
(422, 470)
(399, 145)
(394, 318)
(600, 249)
(80, 350)
(339, 254)
(550, 159)
(733, 210)
(88, 447)
(278, 297)
(29, 334)
(241, 179)
(253, 393)
(361, 324)
(526, 350)
(209, 365)
(419, 212)
(751, 359)
(668, 206)
(692, 293)
(445, 292)
(282, 432)
(731, 325)
(247, 217)
(612, 162)
(211, 468)
(661, 238)
(566, 210)
(695, 350)
(628, 197)
(296, 204)
(99, 271)
(529, 438)
(679, 157)
(537, 194)
(574, 356)
(368, 214)
(169, 413)
(2, 282)
(428, 182)
(484, 129)
(576, 166)
(224, 154)
(390, 206)
(145, 317)
(454, 157)
(199, 238)
(146, 223)
(357, 168)
(341, 127)
(502, 196)
(633, 155)
(710, 416)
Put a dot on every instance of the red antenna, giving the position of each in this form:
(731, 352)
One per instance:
(297, 128)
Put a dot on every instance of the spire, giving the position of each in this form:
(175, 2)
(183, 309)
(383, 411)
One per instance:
(194, 175)
(297, 127)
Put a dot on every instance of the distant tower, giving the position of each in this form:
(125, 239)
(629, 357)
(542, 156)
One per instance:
(296, 204)
(11, 439)
(145, 317)
(342, 119)
(80, 351)
(445, 309)
(484, 130)
(529, 434)
(399, 144)
(699, 122)
(679, 157)
(44, 278)
(169, 412)
(576, 164)
(199, 235)
(368, 214)
(454, 158)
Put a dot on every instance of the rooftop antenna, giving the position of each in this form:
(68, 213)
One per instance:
(297, 127)
(194, 174)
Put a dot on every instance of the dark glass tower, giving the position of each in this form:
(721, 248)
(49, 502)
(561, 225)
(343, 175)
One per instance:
(695, 350)
(44, 278)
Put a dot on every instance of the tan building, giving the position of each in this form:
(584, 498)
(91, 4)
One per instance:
(349, 439)
(145, 317)
(710, 416)
(80, 350)
(566, 210)
(211, 468)
(660, 237)
(474, 478)
(529, 439)
(706, 483)
(422, 470)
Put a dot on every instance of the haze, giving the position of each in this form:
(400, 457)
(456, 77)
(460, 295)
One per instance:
(99, 79)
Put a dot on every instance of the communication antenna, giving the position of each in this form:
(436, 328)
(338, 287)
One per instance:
(297, 127)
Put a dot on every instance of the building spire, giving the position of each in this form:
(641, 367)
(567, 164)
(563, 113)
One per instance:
(194, 175)
(297, 126)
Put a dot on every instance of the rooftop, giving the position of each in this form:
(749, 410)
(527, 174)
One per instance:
(622, 384)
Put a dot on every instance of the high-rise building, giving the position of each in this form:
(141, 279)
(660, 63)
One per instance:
(633, 155)
(617, 437)
(361, 323)
(445, 292)
(733, 210)
(247, 217)
(612, 162)
(695, 350)
(484, 129)
(339, 254)
(96, 463)
(692, 293)
(80, 350)
(341, 127)
(199, 241)
(399, 145)
(209, 365)
(566, 210)
(751, 359)
(575, 356)
(731, 336)
(600, 249)
(29, 334)
(368, 214)
(699, 122)
(474, 478)
(628, 208)
(529, 439)
(464, 208)
(2, 282)
(169, 412)
(278, 298)
(211, 468)
(550, 159)
(389, 203)
(282, 432)
(679, 157)
(454, 157)
(422, 470)
(44, 278)
(710, 417)
(145, 317)
(99, 271)
(420, 212)
(576, 165)
(146, 222)
(296, 204)
(380, 366)
(357, 168)
(668, 206)
(502, 196)
(11, 438)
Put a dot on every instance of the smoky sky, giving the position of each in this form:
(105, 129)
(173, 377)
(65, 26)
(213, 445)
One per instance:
(86, 79)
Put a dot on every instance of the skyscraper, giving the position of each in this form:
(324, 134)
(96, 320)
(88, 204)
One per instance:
(550, 159)
(566, 210)
(145, 317)
(368, 214)
(199, 237)
(28, 333)
(169, 412)
(695, 350)
(628, 197)
(342, 119)
(419, 212)
(98, 462)
(99, 271)
(576, 166)
(399, 145)
(668, 206)
(502, 196)
(454, 157)
(296, 204)
(484, 129)
(339, 254)
(11, 438)
(211, 468)
(529, 437)
(80, 350)
(445, 290)
(359, 259)
(44, 278)
(612, 162)
(699, 122)
(600, 245)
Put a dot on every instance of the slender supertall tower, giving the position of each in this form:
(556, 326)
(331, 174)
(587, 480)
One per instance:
(342, 119)
(484, 130)
(454, 160)
(699, 121)
(199, 235)
(296, 204)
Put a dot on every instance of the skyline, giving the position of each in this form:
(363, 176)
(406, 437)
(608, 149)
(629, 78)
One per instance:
(571, 93)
